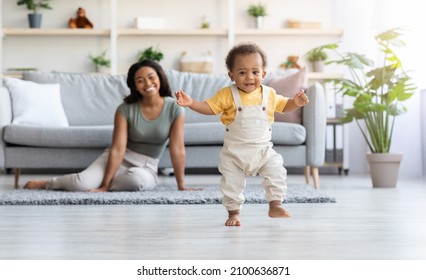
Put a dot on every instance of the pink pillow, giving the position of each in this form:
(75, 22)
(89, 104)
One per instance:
(288, 87)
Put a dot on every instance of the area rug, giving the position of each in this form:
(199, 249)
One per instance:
(254, 194)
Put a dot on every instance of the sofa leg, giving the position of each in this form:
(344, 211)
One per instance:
(17, 172)
(307, 171)
(315, 174)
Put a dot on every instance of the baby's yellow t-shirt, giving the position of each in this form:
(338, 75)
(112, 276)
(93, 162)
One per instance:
(223, 102)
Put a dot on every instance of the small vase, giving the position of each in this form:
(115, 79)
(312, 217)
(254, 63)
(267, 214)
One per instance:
(34, 20)
(259, 22)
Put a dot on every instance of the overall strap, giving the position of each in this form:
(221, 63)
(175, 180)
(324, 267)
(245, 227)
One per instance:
(236, 95)
(265, 95)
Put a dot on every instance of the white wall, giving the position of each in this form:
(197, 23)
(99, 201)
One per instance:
(1, 38)
(423, 129)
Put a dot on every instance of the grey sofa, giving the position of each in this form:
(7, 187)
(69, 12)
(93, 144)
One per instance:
(90, 100)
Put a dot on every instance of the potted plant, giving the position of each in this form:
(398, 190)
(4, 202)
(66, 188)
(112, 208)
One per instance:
(258, 12)
(150, 53)
(378, 94)
(101, 62)
(317, 58)
(205, 24)
(34, 18)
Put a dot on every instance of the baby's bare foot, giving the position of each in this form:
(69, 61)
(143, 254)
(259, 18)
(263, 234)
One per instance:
(35, 185)
(276, 211)
(233, 219)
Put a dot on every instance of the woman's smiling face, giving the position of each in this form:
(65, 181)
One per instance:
(147, 81)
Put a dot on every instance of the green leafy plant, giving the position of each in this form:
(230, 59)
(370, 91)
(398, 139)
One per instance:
(150, 53)
(33, 5)
(258, 10)
(317, 54)
(378, 91)
(100, 60)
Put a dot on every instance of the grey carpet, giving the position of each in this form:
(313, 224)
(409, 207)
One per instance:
(160, 195)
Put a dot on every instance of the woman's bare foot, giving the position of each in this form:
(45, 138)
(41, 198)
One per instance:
(35, 185)
(233, 219)
(276, 211)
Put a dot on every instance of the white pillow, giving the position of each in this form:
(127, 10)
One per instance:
(36, 104)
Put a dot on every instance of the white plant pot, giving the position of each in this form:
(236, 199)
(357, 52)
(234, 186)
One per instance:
(102, 69)
(318, 66)
(259, 22)
(384, 169)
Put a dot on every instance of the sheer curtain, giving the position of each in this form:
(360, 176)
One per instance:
(363, 19)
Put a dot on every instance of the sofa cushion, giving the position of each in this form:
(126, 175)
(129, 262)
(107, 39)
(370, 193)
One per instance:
(69, 137)
(88, 99)
(204, 133)
(101, 136)
(284, 133)
(36, 104)
(288, 86)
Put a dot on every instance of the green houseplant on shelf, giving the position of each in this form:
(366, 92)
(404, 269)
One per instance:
(151, 53)
(317, 58)
(34, 18)
(101, 62)
(257, 11)
(378, 94)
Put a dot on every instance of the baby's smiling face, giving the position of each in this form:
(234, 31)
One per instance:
(248, 72)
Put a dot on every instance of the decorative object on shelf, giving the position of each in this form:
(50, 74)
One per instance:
(317, 57)
(294, 23)
(81, 21)
(202, 63)
(150, 23)
(101, 62)
(205, 24)
(34, 18)
(379, 93)
(291, 62)
(150, 53)
(258, 12)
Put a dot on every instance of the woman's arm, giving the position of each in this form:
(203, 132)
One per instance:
(198, 106)
(117, 151)
(177, 152)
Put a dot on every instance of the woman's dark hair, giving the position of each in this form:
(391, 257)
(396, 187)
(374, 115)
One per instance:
(134, 95)
(244, 49)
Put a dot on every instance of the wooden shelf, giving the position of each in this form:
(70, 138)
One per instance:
(54, 32)
(334, 121)
(172, 32)
(167, 32)
(290, 32)
(324, 76)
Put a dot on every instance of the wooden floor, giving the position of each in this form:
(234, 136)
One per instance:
(365, 223)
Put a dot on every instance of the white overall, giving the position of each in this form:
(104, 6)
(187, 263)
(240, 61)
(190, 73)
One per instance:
(247, 151)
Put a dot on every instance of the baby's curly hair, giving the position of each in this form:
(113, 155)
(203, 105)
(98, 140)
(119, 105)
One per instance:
(244, 49)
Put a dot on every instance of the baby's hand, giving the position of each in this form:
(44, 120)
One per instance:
(183, 99)
(300, 99)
